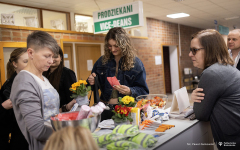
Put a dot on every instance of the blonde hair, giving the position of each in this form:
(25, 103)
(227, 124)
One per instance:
(71, 138)
(123, 41)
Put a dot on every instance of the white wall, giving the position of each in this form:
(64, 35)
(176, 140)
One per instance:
(174, 68)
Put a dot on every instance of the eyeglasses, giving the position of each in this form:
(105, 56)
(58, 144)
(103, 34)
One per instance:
(194, 50)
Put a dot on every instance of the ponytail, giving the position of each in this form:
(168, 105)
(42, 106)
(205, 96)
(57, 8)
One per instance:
(14, 56)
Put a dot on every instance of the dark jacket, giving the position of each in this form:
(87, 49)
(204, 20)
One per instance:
(68, 77)
(9, 123)
(135, 78)
(221, 104)
(238, 65)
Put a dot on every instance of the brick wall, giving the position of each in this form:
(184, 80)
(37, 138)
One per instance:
(186, 33)
(159, 32)
(21, 35)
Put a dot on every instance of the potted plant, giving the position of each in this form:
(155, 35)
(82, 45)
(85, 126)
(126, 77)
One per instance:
(80, 92)
(121, 115)
(127, 101)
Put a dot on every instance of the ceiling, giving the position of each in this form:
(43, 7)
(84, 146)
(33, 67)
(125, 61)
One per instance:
(202, 12)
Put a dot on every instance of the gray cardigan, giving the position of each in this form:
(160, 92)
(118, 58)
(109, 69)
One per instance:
(26, 96)
(221, 104)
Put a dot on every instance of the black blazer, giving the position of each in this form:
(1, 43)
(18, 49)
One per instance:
(238, 65)
(8, 122)
(68, 77)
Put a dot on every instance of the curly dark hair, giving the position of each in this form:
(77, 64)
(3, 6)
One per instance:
(123, 41)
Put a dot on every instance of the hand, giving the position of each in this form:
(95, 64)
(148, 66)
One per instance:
(125, 90)
(91, 79)
(70, 104)
(197, 96)
(7, 104)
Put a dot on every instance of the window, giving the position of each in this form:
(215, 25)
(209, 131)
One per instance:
(83, 23)
(19, 16)
(55, 20)
(11, 14)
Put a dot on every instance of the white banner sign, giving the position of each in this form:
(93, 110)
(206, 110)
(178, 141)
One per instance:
(126, 16)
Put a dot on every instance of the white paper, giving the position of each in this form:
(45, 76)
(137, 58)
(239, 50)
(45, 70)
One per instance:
(109, 123)
(180, 100)
(158, 60)
(187, 71)
(66, 64)
(89, 65)
(65, 56)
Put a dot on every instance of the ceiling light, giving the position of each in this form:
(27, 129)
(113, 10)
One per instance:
(229, 18)
(178, 15)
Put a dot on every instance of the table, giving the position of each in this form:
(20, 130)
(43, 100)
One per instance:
(186, 135)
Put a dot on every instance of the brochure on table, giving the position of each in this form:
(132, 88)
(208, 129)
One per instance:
(180, 104)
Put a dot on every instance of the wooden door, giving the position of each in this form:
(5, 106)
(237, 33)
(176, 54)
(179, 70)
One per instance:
(68, 55)
(86, 56)
(167, 72)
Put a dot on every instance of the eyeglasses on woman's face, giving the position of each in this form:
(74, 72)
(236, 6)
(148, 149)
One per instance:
(194, 50)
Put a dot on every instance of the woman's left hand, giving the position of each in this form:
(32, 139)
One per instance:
(125, 90)
(70, 104)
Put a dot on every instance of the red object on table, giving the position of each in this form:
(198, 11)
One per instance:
(67, 116)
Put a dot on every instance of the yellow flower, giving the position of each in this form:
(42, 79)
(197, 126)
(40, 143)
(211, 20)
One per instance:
(71, 89)
(78, 83)
(82, 82)
(127, 99)
(74, 88)
(73, 84)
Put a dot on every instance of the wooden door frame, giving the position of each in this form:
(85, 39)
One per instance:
(179, 70)
(8, 45)
(81, 41)
(71, 45)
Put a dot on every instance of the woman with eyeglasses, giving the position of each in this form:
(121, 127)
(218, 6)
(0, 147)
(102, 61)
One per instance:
(217, 98)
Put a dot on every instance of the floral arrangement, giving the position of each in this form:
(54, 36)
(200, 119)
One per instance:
(79, 88)
(121, 114)
(127, 101)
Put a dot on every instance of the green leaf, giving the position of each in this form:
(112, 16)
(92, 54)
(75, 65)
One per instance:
(130, 119)
(89, 88)
(120, 99)
(119, 115)
(74, 96)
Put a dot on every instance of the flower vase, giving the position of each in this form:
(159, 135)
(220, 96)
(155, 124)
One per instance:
(121, 123)
(82, 100)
